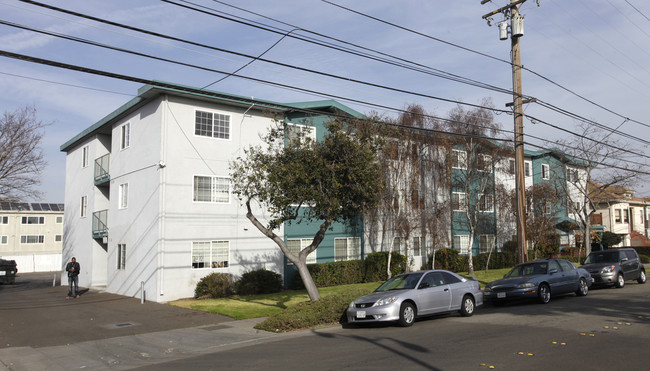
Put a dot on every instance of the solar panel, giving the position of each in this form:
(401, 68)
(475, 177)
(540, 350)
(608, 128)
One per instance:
(36, 207)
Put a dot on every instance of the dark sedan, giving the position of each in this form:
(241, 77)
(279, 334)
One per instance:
(539, 279)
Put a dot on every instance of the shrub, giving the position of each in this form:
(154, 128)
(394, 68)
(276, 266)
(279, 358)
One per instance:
(548, 250)
(449, 259)
(642, 250)
(377, 262)
(328, 310)
(332, 274)
(645, 259)
(260, 281)
(215, 285)
(498, 260)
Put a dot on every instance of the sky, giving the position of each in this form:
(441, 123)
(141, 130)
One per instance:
(588, 57)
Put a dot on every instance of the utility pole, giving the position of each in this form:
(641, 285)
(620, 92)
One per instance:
(516, 31)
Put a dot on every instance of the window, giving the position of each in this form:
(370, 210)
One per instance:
(548, 206)
(59, 220)
(459, 159)
(4, 220)
(210, 254)
(511, 167)
(297, 245)
(461, 243)
(121, 256)
(545, 171)
(348, 248)
(419, 247)
(626, 218)
(486, 243)
(486, 203)
(484, 163)
(84, 156)
(617, 216)
(527, 168)
(58, 238)
(211, 189)
(577, 206)
(84, 206)
(301, 133)
(123, 196)
(458, 201)
(3, 240)
(125, 135)
(572, 175)
(213, 125)
(33, 220)
(32, 238)
(566, 266)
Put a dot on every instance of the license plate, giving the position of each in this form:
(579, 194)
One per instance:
(361, 314)
(3, 273)
(501, 295)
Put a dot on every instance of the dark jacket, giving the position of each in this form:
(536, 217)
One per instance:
(75, 269)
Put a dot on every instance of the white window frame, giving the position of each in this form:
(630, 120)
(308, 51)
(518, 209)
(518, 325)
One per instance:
(486, 203)
(29, 239)
(459, 159)
(419, 246)
(511, 167)
(546, 172)
(123, 196)
(121, 256)
(304, 133)
(462, 201)
(484, 163)
(4, 240)
(25, 220)
(217, 194)
(83, 212)
(352, 248)
(618, 216)
(59, 219)
(58, 238)
(527, 168)
(295, 248)
(4, 219)
(463, 243)
(216, 118)
(548, 208)
(486, 242)
(125, 136)
(218, 254)
(84, 156)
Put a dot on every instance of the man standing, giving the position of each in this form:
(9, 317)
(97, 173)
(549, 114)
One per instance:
(73, 277)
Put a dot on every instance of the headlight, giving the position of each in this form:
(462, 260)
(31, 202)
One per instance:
(526, 285)
(351, 305)
(608, 269)
(487, 289)
(385, 301)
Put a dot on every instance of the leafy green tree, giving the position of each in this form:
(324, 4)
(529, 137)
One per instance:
(610, 239)
(295, 179)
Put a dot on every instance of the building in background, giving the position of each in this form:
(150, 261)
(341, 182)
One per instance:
(32, 235)
(619, 211)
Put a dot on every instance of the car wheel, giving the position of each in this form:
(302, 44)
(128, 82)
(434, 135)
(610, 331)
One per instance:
(620, 281)
(544, 293)
(641, 278)
(583, 289)
(406, 314)
(467, 306)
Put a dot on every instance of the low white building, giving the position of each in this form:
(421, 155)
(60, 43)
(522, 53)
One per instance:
(32, 235)
(620, 212)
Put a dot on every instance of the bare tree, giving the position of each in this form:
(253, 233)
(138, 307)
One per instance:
(21, 158)
(599, 161)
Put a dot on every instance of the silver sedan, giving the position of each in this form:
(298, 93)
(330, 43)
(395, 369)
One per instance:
(410, 295)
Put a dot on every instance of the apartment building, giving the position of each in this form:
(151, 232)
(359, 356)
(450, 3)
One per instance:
(32, 235)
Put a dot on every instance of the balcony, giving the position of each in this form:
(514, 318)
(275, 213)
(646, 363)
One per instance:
(102, 175)
(100, 224)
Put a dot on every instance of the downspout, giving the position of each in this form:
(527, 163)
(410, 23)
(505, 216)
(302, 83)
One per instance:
(161, 197)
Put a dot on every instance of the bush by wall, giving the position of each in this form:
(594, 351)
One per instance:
(260, 281)
(215, 285)
(451, 260)
(498, 260)
(642, 250)
(377, 262)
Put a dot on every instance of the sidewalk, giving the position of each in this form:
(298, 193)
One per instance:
(41, 330)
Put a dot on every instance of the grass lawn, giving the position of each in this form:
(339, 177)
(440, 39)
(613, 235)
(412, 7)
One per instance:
(485, 277)
(243, 307)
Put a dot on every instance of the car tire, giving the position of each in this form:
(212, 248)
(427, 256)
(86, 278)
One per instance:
(642, 277)
(467, 306)
(544, 293)
(406, 314)
(583, 289)
(620, 281)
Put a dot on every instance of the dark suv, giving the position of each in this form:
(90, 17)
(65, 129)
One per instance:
(614, 267)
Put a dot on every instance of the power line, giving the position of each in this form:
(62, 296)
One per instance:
(635, 8)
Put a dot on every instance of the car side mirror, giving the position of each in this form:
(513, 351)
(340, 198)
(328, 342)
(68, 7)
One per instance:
(624, 260)
(424, 285)
(552, 271)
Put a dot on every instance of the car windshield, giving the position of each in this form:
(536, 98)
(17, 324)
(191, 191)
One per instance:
(602, 257)
(528, 269)
(401, 282)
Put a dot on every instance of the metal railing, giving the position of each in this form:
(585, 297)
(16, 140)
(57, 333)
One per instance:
(102, 165)
(100, 224)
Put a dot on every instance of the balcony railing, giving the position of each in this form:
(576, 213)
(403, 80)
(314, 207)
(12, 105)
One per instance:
(100, 224)
(102, 175)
